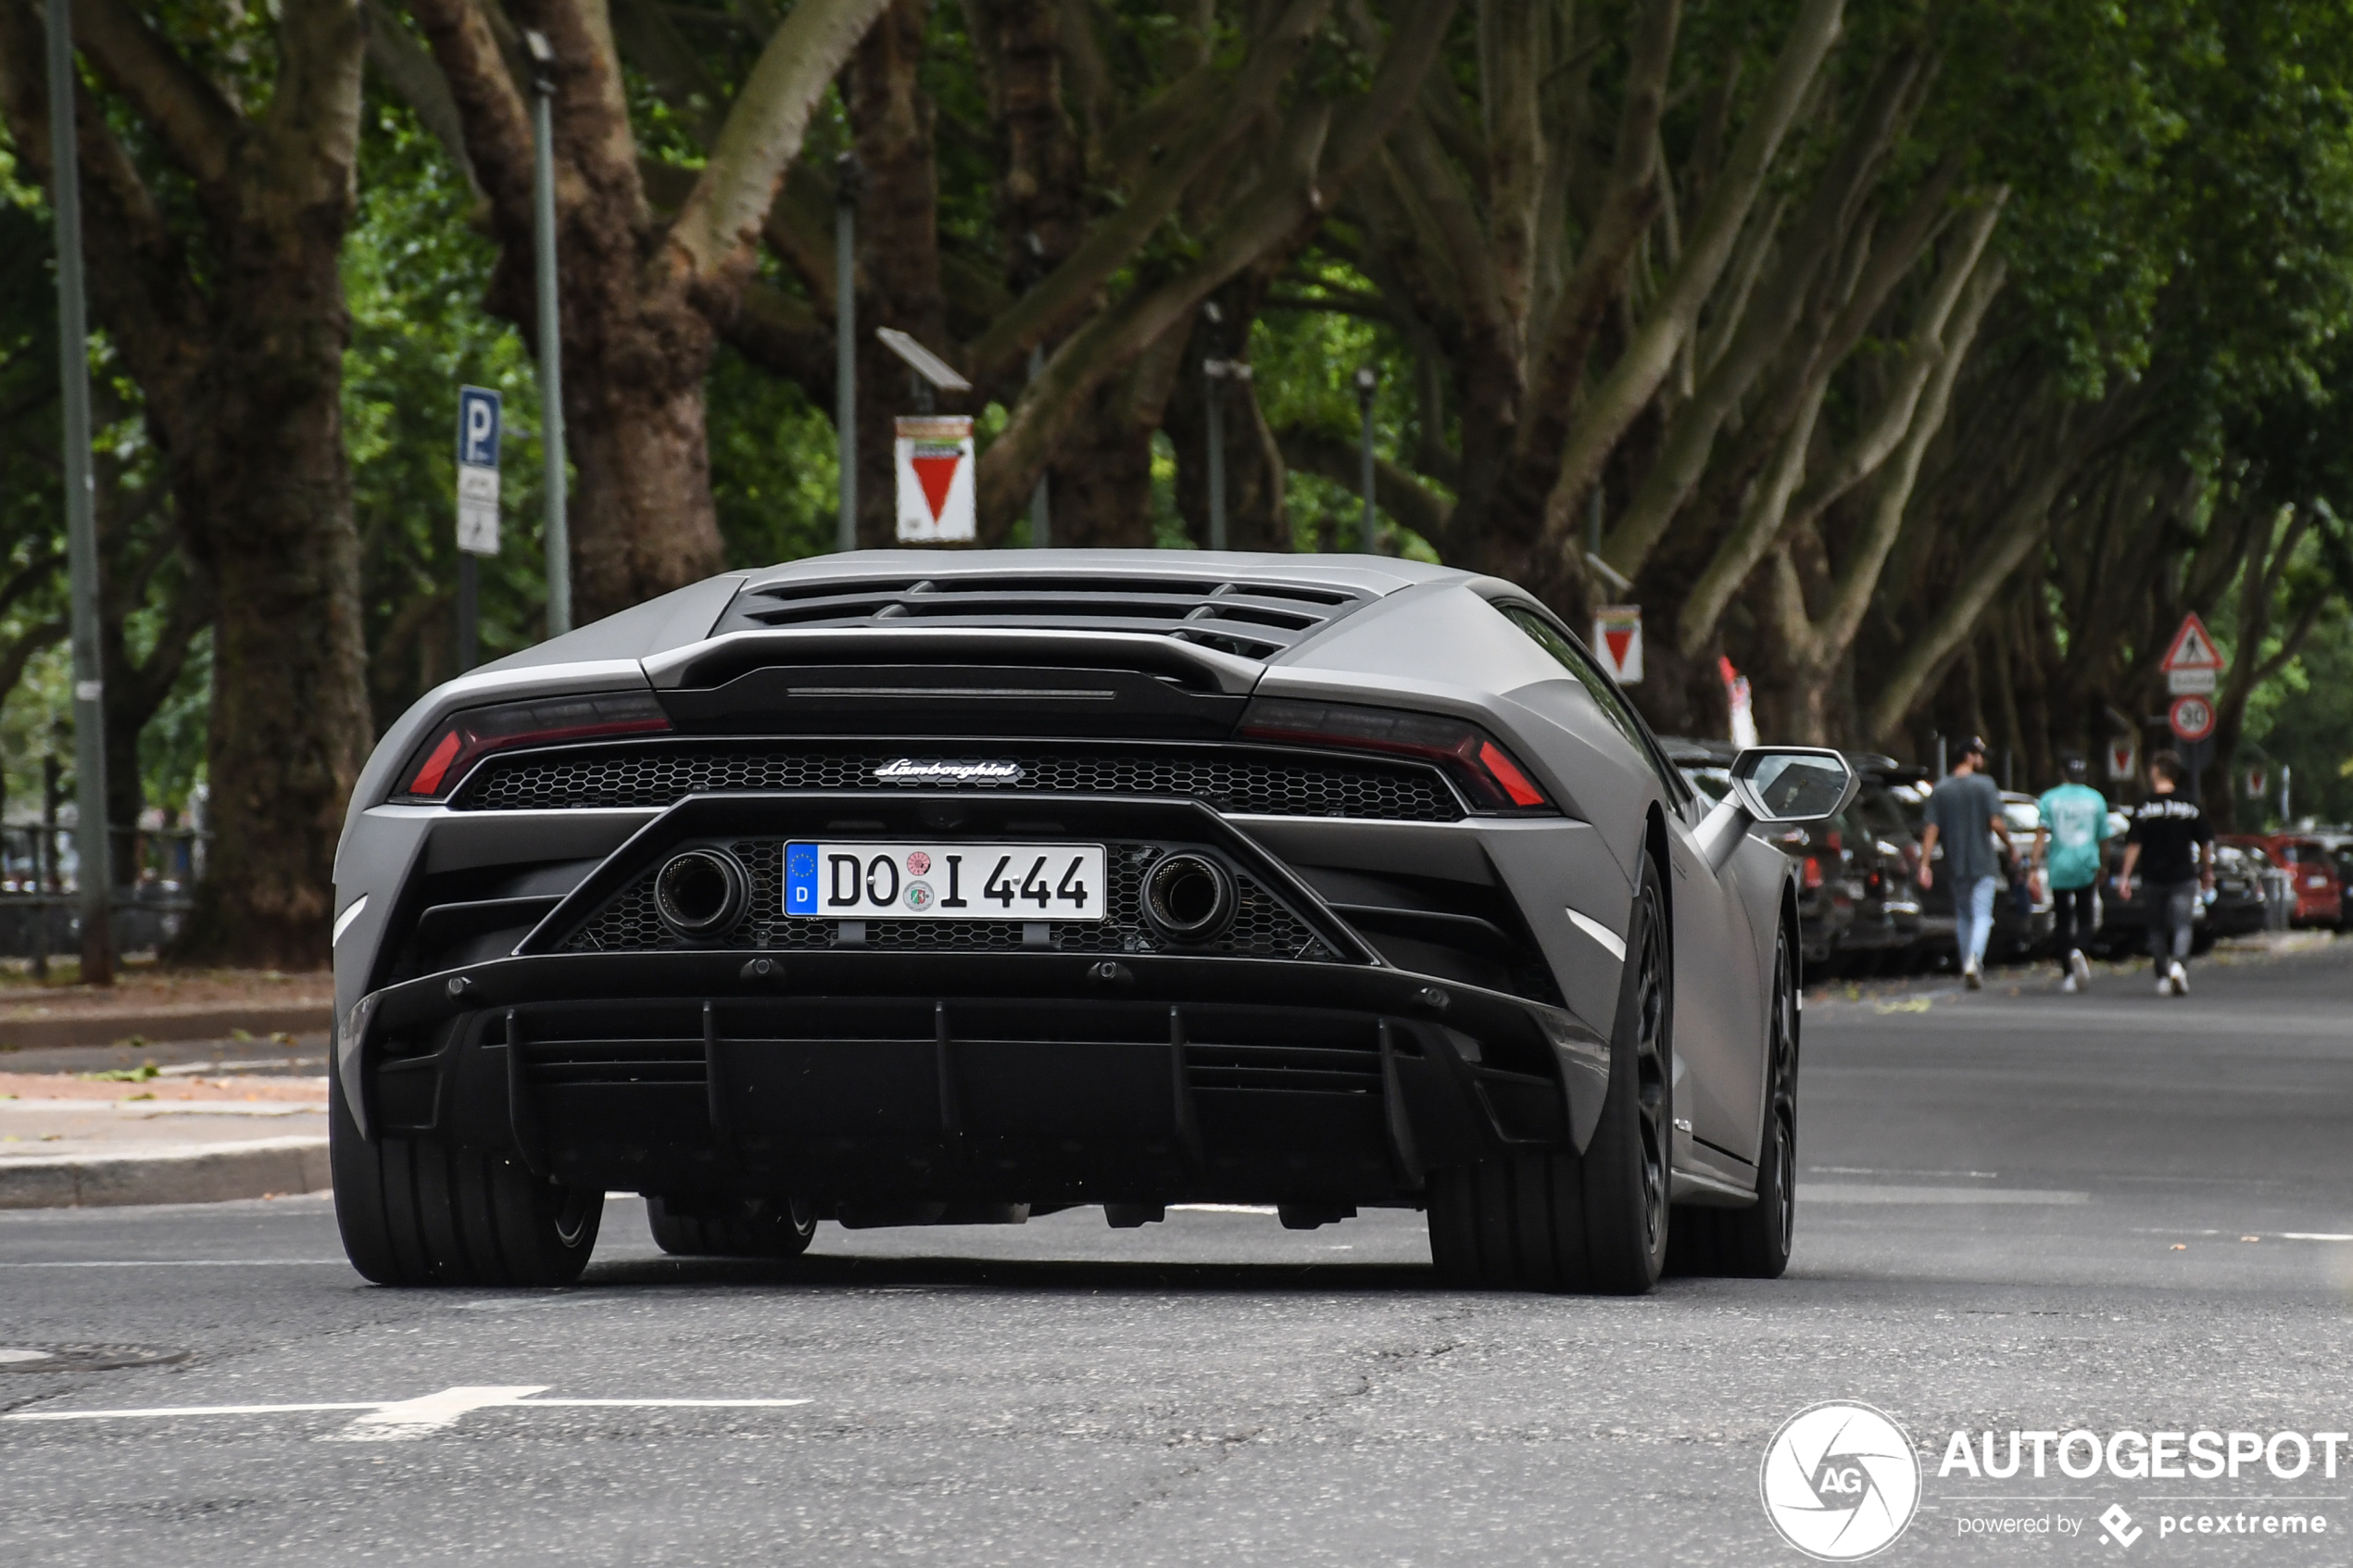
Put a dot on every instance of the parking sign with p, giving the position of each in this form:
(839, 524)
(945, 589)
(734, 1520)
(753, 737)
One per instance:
(478, 422)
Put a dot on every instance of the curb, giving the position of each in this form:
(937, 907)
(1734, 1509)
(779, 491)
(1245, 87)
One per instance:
(213, 1174)
(163, 1023)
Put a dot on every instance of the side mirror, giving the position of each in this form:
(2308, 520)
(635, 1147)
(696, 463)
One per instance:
(1785, 785)
(1793, 785)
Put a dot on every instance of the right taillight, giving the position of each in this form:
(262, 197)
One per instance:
(1489, 775)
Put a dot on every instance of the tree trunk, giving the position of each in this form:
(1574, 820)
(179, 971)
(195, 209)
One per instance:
(264, 494)
(1100, 489)
(645, 523)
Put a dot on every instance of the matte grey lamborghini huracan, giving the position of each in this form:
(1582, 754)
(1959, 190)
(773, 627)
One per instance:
(899, 888)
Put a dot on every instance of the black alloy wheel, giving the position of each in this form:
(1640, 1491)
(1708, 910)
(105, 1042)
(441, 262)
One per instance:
(731, 1227)
(1594, 1223)
(1754, 1243)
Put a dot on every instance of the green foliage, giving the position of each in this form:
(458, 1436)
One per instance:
(775, 470)
(415, 271)
(2302, 719)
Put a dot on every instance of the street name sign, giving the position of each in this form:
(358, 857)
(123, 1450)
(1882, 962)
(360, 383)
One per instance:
(479, 418)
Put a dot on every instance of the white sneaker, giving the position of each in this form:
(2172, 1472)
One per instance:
(2067, 985)
(1971, 978)
(2181, 978)
(2079, 970)
(2164, 984)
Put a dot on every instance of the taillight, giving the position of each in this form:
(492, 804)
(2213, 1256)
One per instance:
(1492, 778)
(1813, 871)
(435, 767)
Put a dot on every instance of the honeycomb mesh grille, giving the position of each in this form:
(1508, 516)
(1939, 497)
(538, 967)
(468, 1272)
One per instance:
(1263, 928)
(1265, 783)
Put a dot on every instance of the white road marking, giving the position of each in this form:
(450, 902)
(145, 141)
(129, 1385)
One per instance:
(1858, 1192)
(400, 1419)
(190, 1263)
(1221, 1207)
(417, 1418)
(2313, 1235)
(9, 1355)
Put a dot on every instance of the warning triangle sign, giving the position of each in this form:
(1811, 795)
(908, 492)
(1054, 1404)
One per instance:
(935, 474)
(2193, 647)
(1618, 639)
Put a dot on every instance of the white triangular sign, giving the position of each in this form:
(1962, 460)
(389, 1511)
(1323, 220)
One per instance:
(2193, 647)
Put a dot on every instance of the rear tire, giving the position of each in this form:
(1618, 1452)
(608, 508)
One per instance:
(1754, 1243)
(1596, 1222)
(424, 1213)
(748, 1227)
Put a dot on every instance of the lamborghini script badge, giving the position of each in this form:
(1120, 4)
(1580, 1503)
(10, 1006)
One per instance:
(906, 769)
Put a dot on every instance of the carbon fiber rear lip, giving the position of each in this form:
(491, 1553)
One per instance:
(1581, 1056)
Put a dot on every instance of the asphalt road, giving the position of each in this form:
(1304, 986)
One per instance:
(2029, 1211)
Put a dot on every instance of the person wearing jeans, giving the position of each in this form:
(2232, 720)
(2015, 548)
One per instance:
(2170, 838)
(1965, 816)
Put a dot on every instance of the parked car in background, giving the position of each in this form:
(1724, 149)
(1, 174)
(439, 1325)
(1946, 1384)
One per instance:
(2313, 871)
(2022, 912)
(1885, 930)
(2242, 904)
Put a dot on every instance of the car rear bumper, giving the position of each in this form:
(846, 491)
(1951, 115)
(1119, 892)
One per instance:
(847, 1076)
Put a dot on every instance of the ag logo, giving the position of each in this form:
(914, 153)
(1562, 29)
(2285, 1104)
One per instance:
(1840, 1481)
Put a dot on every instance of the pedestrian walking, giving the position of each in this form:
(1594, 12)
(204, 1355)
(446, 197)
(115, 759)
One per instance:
(2170, 838)
(2068, 844)
(1965, 816)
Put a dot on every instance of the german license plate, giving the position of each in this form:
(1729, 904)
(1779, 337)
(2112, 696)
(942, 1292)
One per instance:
(945, 880)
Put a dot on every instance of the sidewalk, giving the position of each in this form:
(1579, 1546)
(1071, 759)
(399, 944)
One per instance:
(151, 1004)
(240, 1120)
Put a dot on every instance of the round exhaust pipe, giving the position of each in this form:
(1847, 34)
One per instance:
(701, 891)
(1188, 898)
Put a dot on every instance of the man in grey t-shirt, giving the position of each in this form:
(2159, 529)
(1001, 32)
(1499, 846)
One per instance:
(1965, 816)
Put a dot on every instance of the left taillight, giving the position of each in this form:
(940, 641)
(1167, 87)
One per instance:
(1489, 775)
(435, 768)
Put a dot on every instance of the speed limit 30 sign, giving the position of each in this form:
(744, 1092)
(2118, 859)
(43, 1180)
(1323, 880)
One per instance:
(2192, 718)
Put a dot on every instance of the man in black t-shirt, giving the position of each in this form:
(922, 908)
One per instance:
(2170, 841)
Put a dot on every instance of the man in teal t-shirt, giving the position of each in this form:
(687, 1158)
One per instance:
(2074, 825)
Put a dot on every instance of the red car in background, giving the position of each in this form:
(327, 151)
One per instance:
(2312, 871)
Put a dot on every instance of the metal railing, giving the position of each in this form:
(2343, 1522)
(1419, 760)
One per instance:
(40, 889)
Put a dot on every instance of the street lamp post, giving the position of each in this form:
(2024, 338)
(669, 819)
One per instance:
(82, 528)
(1367, 384)
(848, 182)
(551, 343)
